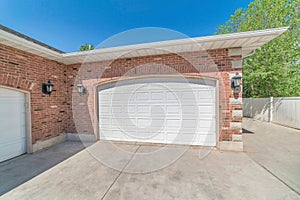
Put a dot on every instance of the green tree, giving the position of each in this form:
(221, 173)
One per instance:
(274, 69)
(86, 47)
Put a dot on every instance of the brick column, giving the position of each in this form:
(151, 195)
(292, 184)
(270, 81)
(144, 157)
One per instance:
(234, 109)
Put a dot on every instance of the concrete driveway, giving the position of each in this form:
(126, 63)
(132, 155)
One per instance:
(17, 171)
(276, 148)
(90, 174)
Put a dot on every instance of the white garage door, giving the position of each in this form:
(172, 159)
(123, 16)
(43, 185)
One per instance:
(159, 111)
(12, 124)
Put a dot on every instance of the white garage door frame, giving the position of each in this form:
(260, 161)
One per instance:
(27, 116)
(104, 84)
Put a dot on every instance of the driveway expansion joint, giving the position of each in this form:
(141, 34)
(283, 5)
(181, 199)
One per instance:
(274, 175)
(115, 180)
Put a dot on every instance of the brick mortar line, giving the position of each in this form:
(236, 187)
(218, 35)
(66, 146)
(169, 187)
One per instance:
(121, 172)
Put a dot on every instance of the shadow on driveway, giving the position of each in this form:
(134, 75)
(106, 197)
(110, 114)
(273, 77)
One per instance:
(245, 131)
(18, 170)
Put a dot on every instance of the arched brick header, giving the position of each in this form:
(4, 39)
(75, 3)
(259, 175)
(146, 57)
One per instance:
(16, 82)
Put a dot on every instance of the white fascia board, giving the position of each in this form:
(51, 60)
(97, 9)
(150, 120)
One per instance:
(164, 44)
(69, 58)
(29, 45)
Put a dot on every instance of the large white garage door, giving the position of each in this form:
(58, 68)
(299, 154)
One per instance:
(159, 111)
(12, 124)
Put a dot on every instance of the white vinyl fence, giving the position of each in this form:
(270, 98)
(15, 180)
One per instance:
(283, 110)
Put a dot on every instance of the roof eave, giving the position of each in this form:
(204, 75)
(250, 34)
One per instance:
(248, 41)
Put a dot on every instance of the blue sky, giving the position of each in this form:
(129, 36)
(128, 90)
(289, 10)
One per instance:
(68, 24)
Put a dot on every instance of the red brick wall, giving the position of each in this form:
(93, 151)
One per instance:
(19, 69)
(52, 115)
(214, 63)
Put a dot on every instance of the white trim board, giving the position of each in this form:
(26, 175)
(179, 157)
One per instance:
(248, 41)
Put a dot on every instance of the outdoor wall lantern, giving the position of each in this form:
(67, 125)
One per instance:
(236, 83)
(81, 89)
(47, 87)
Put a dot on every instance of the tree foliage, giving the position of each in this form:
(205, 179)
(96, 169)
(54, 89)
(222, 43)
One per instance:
(274, 69)
(86, 47)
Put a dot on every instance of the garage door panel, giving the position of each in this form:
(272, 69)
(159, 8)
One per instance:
(207, 115)
(110, 134)
(117, 122)
(209, 140)
(206, 124)
(158, 112)
(206, 94)
(142, 95)
(11, 121)
(126, 129)
(105, 120)
(206, 133)
(141, 136)
(12, 124)
(173, 124)
(157, 96)
(143, 122)
(132, 136)
(207, 129)
(131, 109)
(198, 132)
(11, 150)
(157, 123)
(143, 109)
(172, 96)
(173, 109)
(190, 109)
(7, 101)
(15, 132)
(106, 109)
(129, 136)
(117, 97)
(130, 121)
(189, 138)
(189, 123)
(10, 108)
(206, 109)
(172, 138)
(188, 95)
(15, 140)
(105, 98)
(205, 102)
(196, 139)
(158, 137)
(118, 110)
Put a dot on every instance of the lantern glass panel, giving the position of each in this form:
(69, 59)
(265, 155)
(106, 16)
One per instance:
(80, 89)
(49, 88)
(236, 82)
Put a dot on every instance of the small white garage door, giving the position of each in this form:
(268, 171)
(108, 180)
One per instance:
(12, 124)
(159, 110)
